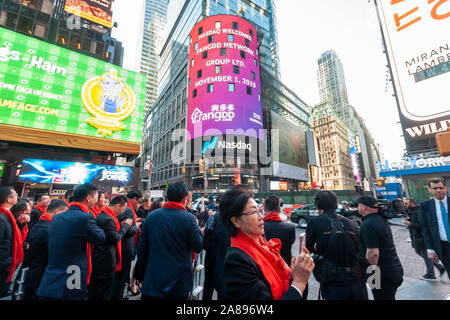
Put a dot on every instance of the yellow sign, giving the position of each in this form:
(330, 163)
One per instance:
(109, 100)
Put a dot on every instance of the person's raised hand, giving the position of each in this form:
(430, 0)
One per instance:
(301, 267)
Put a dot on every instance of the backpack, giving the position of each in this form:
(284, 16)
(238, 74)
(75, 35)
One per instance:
(326, 272)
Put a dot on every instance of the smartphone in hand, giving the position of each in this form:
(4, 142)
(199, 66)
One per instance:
(302, 242)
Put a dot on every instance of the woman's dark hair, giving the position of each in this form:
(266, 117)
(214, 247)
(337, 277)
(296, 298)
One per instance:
(326, 200)
(156, 204)
(18, 209)
(232, 204)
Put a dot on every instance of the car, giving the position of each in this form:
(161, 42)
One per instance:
(303, 215)
(288, 211)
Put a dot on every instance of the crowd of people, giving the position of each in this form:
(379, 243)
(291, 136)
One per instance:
(87, 246)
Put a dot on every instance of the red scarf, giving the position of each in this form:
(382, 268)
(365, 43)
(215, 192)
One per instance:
(17, 244)
(111, 213)
(174, 205)
(96, 211)
(267, 256)
(273, 216)
(41, 209)
(85, 209)
(24, 232)
(46, 217)
(136, 236)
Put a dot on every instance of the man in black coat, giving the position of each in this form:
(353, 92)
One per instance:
(169, 236)
(36, 257)
(41, 203)
(129, 243)
(435, 223)
(8, 198)
(417, 240)
(144, 208)
(274, 227)
(105, 256)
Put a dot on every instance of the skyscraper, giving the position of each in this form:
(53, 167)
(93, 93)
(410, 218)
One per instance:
(155, 19)
(332, 86)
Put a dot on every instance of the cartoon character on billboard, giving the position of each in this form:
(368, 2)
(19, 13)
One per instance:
(110, 100)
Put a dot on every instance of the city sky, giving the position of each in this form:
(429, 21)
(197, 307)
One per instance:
(306, 29)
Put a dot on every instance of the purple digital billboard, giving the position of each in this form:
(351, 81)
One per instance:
(224, 97)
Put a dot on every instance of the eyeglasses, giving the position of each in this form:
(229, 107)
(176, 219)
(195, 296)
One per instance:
(250, 213)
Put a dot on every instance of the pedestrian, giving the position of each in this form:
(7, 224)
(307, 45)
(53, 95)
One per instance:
(41, 201)
(169, 236)
(21, 212)
(144, 208)
(107, 257)
(377, 246)
(67, 196)
(217, 241)
(435, 224)
(275, 228)
(254, 269)
(11, 247)
(129, 243)
(72, 235)
(156, 204)
(99, 205)
(417, 241)
(36, 257)
(334, 239)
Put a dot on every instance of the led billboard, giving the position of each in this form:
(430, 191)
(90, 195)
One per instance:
(224, 97)
(46, 87)
(419, 53)
(292, 152)
(354, 159)
(98, 11)
(63, 172)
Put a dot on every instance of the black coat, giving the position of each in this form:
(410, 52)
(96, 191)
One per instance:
(36, 257)
(244, 280)
(128, 245)
(104, 256)
(415, 229)
(283, 231)
(142, 213)
(6, 236)
(34, 217)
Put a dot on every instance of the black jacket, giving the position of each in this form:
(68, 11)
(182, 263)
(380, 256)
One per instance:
(283, 231)
(34, 217)
(6, 236)
(142, 213)
(415, 229)
(128, 245)
(244, 279)
(36, 257)
(104, 256)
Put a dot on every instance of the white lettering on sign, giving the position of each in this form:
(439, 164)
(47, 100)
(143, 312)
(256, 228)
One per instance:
(114, 176)
(233, 145)
(429, 128)
(222, 112)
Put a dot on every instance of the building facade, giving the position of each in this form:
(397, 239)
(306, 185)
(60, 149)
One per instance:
(163, 148)
(155, 20)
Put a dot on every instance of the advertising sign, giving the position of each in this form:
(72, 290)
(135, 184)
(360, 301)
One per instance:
(293, 153)
(419, 52)
(414, 165)
(98, 11)
(43, 86)
(354, 159)
(2, 168)
(62, 172)
(224, 97)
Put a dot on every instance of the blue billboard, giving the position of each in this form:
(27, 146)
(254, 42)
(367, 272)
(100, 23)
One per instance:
(64, 172)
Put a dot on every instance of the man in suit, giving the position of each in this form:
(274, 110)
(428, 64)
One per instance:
(129, 243)
(72, 233)
(10, 239)
(168, 237)
(36, 257)
(435, 223)
(274, 227)
(107, 257)
(41, 203)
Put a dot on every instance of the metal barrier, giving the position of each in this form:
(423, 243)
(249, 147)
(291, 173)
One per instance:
(19, 291)
(199, 275)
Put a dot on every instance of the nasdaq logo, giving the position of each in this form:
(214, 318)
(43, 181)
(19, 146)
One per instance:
(209, 145)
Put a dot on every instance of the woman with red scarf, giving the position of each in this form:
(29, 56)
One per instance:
(254, 269)
(11, 250)
(99, 205)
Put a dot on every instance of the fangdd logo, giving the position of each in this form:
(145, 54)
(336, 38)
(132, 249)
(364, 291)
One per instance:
(218, 113)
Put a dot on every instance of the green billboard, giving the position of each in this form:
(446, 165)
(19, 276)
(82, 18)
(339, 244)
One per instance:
(43, 86)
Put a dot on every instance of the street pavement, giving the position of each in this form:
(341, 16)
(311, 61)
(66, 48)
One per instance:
(414, 267)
